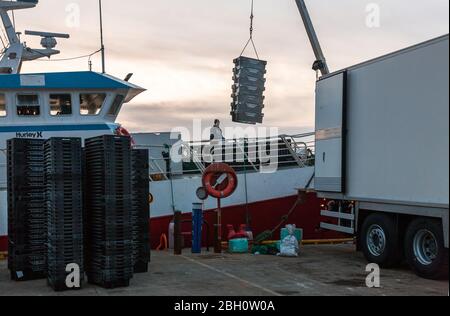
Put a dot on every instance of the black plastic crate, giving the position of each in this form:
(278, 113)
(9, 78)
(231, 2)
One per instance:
(140, 210)
(58, 284)
(27, 275)
(108, 202)
(26, 209)
(109, 281)
(64, 184)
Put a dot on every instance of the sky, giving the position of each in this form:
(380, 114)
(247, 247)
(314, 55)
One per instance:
(182, 51)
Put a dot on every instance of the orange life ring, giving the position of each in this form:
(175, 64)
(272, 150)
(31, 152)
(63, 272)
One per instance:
(226, 187)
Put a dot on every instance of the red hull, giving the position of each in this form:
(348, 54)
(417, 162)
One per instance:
(3, 243)
(264, 215)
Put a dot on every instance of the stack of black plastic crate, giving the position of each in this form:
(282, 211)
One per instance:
(26, 210)
(248, 90)
(64, 199)
(109, 236)
(140, 209)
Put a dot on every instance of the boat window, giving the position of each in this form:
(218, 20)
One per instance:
(91, 103)
(118, 100)
(60, 104)
(2, 105)
(28, 105)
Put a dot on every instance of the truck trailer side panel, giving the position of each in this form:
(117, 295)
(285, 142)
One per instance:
(385, 124)
(397, 139)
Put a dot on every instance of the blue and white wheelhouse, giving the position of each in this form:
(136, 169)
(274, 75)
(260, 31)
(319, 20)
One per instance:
(76, 104)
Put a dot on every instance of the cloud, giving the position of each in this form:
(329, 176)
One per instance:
(162, 116)
(290, 114)
(182, 51)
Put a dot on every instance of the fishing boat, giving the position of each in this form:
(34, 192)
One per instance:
(86, 104)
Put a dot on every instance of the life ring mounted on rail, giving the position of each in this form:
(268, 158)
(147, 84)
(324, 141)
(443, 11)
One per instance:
(122, 131)
(220, 180)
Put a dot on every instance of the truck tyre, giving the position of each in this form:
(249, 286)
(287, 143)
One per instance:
(425, 250)
(380, 241)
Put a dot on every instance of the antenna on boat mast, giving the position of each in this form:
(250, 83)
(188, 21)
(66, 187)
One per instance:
(17, 52)
(102, 47)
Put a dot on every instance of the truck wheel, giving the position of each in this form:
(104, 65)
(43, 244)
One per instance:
(380, 241)
(425, 250)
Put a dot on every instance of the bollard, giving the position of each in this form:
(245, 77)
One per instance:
(218, 229)
(197, 223)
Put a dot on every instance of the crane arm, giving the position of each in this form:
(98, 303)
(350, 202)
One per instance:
(320, 64)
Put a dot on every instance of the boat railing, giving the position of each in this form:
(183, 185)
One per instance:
(244, 155)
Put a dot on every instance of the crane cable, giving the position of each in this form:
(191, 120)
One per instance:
(250, 40)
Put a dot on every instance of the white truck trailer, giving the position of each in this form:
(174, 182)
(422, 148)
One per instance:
(382, 153)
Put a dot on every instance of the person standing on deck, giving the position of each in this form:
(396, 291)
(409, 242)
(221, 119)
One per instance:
(217, 142)
(216, 132)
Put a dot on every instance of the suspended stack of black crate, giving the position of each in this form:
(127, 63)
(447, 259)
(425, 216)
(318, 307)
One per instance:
(140, 209)
(26, 210)
(109, 235)
(64, 198)
(248, 90)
